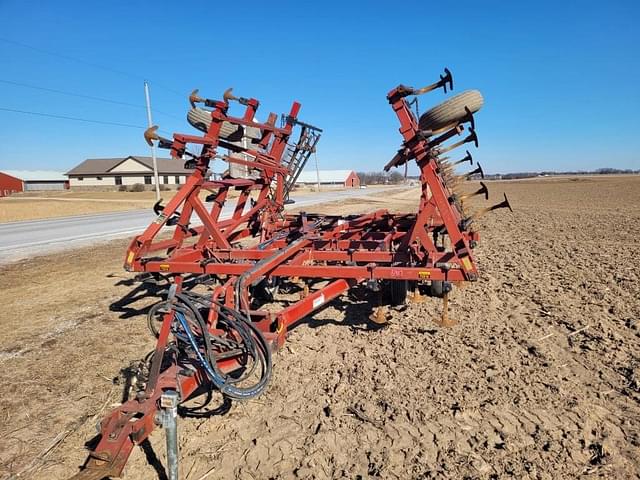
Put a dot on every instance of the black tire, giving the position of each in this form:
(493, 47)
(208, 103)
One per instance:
(398, 292)
(436, 288)
(155, 317)
(451, 111)
(439, 288)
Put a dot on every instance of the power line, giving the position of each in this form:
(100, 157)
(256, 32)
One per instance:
(62, 92)
(91, 64)
(86, 120)
(66, 57)
(80, 95)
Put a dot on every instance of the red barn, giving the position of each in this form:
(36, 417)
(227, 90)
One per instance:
(9, 185)
(343, 178)
(12, 181)
(353, 180)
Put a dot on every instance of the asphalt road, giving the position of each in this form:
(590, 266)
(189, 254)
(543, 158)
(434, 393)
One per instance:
(38, 237)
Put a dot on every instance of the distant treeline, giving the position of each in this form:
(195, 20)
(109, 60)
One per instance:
(599, 171)
(371, 178)
(380, 178)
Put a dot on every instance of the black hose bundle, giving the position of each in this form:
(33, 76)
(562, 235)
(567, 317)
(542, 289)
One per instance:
(252, 346)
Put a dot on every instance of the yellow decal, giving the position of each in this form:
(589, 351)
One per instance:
(424, 275)
(466, 263)
(130, 257)
(164, 267)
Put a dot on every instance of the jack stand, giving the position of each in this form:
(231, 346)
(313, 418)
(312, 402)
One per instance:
(169, 417)
(445, 321)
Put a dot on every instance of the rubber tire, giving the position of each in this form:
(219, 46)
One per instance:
(201, 119)
(398, 292)
(437, 288)
(451, 111)
(152, 322)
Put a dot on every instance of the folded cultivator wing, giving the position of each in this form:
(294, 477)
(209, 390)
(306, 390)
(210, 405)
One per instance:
(233, 235)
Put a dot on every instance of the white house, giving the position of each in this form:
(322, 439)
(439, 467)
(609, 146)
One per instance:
(110, 173)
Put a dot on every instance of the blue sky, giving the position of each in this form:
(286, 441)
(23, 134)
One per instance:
(561, 80)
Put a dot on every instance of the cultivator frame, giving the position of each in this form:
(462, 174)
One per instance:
(260, 248)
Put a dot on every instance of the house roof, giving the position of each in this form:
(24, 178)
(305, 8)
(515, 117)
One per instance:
(37, 175)
(326, 176)
(102, 166)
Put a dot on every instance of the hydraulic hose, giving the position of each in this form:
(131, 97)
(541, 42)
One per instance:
(252, 340)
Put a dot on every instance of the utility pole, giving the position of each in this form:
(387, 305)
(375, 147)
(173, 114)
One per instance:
(153, 147)
(315, 155)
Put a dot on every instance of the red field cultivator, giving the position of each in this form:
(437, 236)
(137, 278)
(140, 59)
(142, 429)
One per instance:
(249, 253)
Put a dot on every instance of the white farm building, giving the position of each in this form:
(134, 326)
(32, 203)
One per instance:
(39, 179)
(343, 178)
(111, 173)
